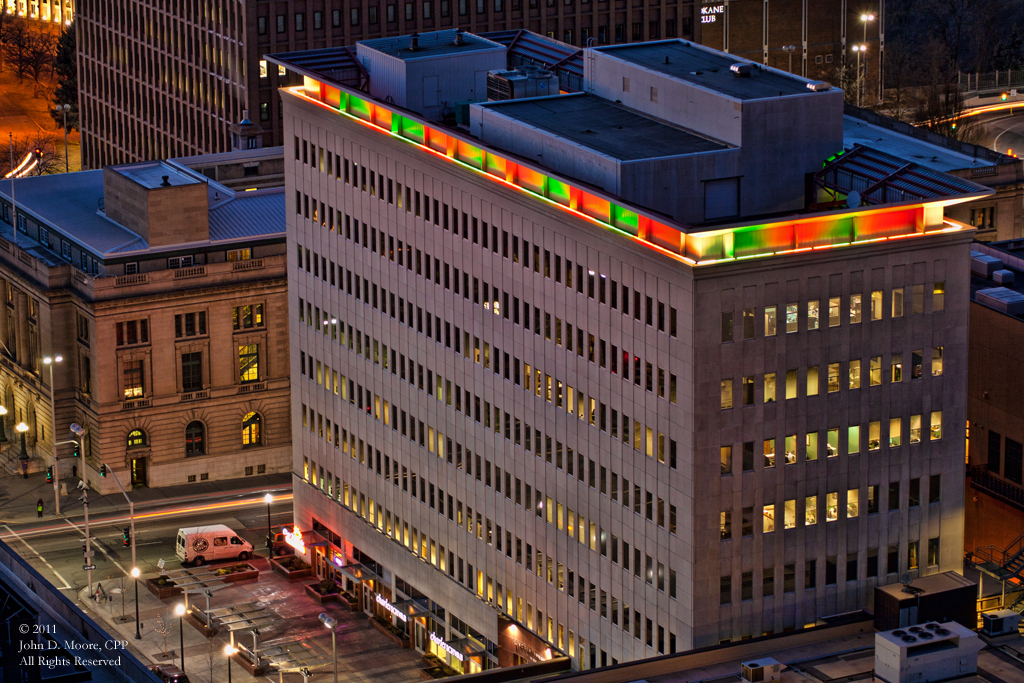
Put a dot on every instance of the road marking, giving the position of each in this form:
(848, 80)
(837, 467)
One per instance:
(995, 143)
(67, 586)
(101, 548)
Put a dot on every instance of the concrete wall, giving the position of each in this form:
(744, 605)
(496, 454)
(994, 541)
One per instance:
(162, 216)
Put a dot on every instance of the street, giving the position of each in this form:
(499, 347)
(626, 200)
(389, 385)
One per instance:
(1004, 131)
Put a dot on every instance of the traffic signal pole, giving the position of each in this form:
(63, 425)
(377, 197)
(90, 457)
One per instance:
(131, 506)
(56, 467)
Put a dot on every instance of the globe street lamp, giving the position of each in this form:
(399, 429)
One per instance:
(179, 609)
(789, 49)
(859, 49)
(64, 109)
(229, 652)
(49, 362)
(268, 499)
(3, 424)
(331, 623)
(135, 575)
(21, 428)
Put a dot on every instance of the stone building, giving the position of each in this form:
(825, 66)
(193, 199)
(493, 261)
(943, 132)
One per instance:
(164, 293)
(595, 365)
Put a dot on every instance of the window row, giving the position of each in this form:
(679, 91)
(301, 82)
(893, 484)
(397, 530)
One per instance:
(788, 448)
(835, 377)
(483, 586)
(595, 286)
(731, 591)
(133, 371)
(859, 307)
(575, 402)
(804, 513)
(1011, 463)
(195, 435)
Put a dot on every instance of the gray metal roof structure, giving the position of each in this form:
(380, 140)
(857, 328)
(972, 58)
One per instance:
(338, 64)
(709, 69)
(527, 47)
(605, 127)
(881, 178)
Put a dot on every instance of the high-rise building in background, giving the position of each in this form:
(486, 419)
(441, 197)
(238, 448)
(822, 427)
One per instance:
(618, 372)
(159, 296)
(159, 80)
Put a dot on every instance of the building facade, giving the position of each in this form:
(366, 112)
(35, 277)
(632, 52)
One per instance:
(159, 87)
(167, 310)
(525, 395)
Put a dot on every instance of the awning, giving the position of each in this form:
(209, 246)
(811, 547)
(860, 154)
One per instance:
(410, 608)
(467, 646)
(315, 539)
(358, 573)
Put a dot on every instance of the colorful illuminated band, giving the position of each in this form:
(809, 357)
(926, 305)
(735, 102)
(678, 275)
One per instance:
(677, 241)
(383, 602)
(446, 647)
(294, 539)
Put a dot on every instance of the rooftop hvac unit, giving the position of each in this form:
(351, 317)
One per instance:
(818, 86)
(761, 671)
(1000, 623)
(926, 653)
(1003, 277)
(527, 81)
(983, 264)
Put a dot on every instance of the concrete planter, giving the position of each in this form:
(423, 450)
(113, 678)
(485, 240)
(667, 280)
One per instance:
(390, 635)
(162, 592)
(291, 575)
(250, 575)
(322, 599)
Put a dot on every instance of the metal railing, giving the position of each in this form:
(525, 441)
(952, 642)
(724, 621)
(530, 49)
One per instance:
(1007, 491)
(991, 81)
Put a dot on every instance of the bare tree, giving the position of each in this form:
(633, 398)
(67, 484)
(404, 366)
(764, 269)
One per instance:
(162, 627)
(40, 48)
(48, 151)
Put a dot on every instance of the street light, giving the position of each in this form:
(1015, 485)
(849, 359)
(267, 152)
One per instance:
(268, 499)
(179, 609)
(859, 49)
(331, 623)
(789, 49)
(21, 428)
(3, 424)
(49, 362)
(135, 575)
(229, 652)
(64, 109)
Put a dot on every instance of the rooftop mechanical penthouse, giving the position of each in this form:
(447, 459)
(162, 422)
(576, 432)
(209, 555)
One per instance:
(614, 373)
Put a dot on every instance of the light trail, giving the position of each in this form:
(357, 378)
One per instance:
(27, 164)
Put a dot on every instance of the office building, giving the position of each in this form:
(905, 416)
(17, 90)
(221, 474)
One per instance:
(163, 295)
(597, 366)
(179, 78)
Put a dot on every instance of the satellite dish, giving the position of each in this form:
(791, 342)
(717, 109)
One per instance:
(905, 579)
(853, 202)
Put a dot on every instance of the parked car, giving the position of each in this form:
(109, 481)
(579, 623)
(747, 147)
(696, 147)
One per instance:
(281, 547)
(200, 544)
(169, 673)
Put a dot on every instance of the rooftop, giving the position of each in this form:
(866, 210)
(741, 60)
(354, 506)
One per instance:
(605, 127)
(938, 158)
(709, 69)
(1006, 296)
(153, 174)
(433, 44)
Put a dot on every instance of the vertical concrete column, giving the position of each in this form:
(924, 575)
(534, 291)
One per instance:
(21, 330)
(4, 333)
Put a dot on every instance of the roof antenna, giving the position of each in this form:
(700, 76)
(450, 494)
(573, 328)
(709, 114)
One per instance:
(666, 59)
(166, 181)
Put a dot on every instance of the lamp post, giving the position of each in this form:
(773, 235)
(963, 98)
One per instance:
(789, 49)
(135, 575)
(859, 49)
(49, 362)
(21, 428)
(3, 424)
(229, 652)
(64, 109)
(331, 623)
(179, 609)
(268, 499)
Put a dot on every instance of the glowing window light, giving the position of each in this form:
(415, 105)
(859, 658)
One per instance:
(446, 647)
(294, 539)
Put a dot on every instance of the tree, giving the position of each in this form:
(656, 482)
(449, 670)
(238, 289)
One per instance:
(162, 627)
(38, 55)
(65, 69)
(1009, 53)
(51, 157)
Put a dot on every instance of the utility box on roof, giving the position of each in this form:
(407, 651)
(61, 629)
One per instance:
(922, 654)
(939, 597)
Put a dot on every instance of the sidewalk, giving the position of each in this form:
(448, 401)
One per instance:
(18, 496)
(364, 655)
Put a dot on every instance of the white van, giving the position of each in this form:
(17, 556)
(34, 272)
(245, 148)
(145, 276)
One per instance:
(199, 544)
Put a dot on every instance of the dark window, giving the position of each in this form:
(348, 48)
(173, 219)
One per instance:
(830, 571)
(191, 372)
(281, 23)
(194, 441)
(1012, 468)
(261, 25)
(300, 22)
(995, 443)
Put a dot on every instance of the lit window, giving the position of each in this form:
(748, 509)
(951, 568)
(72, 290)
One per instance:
(248, 363)
(251, 435)
(263, 68)
(136, 439)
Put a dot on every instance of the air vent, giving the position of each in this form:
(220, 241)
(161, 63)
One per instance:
(932, 626)
(742, 69)
(818, 86)
(899, 634)
(909, 639)
(942, 631)
(1002, 299)
(915, 629)
(1003, 277)
(925, 635)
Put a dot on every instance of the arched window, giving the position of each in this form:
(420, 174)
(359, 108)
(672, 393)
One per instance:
(251, 435)
(136, 438)
(194, 439)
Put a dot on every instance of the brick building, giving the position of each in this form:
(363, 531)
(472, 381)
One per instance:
(158, 85)
(594, 369)
(168, 308)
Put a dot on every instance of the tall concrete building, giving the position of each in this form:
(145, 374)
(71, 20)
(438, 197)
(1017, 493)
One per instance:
(161, 295)
(604, 373)
(160, 80)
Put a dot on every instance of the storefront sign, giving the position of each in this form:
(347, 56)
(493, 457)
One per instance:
(446, 647)
(383, 602)
(708, 13)
(294, 539)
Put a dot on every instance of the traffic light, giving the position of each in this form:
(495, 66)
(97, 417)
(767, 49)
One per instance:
(38, 152)
(126, 536)
(1005, 96)
(103, 470)
(49, 474)
(76, 452)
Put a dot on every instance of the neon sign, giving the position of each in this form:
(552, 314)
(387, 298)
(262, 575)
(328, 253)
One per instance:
(446, 647)
(708, 12)
(383, 602)
(294, 539)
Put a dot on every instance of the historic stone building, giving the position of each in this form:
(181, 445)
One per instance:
(163, 293)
